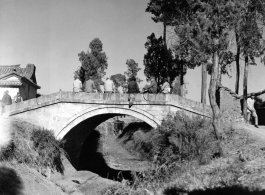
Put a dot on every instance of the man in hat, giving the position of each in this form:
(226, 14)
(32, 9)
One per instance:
(6, 100)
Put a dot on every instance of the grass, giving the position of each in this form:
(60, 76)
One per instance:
(35, 147)
(182, 153)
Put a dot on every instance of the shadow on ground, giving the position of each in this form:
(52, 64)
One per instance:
(10, 182)
(233, 190)
(92, 160)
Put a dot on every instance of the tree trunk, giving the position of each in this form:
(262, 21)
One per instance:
(219, 78)
(165, 47)
(165, 34)
(245, 88)
(212, 97)
(204, 83)
(237, 64)
(253, 94)
(181, 80)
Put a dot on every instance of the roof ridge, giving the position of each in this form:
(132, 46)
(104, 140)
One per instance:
(10, 66)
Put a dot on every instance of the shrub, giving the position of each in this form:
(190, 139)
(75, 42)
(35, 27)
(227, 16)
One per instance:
(178, 138)
(35, 147)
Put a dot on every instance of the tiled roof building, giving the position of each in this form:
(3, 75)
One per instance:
(16, 79)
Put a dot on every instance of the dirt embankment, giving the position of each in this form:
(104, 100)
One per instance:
(106, 162)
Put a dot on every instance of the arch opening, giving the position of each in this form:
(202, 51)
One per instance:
(83, 136)
(107, 111)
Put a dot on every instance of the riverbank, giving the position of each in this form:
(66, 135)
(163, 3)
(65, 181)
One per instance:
(240, 171)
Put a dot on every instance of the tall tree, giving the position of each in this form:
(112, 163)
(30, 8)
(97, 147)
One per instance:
(253, 12)
(154, 61)
(205, 35)
(168, 12)
(248, 30)
(133, 69)
(251, 41)
(118, 79)
(93, 62)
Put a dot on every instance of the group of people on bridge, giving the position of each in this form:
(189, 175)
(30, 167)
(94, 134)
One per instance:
(108, 87)
(89, 86)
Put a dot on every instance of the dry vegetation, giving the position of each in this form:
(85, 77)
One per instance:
(30, 152)
(184, 160)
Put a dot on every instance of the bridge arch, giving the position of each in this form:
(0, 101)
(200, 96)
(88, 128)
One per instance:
(101, 110)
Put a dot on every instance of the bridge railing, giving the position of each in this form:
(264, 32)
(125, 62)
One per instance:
(114, 98)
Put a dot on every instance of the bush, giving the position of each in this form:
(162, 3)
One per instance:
(178, 138)
(35, 147)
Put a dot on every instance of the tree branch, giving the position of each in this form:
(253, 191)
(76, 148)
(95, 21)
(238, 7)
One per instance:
(254, 94)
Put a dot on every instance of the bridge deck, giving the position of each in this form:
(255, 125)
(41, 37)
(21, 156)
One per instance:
(110, 99)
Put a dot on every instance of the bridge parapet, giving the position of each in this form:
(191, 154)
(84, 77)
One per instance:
(111, 99)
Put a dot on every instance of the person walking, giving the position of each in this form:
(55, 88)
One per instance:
(251, 110)
(6, 100)
(132, 89)
(109, 86)
(89, 85)
(165, 87)
(18, 98)
(77, 85)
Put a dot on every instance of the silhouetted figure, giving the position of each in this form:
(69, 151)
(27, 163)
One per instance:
(132, 89)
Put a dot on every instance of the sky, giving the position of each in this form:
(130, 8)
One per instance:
(50, 34)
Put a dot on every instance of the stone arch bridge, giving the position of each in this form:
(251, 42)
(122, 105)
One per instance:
(73, 116)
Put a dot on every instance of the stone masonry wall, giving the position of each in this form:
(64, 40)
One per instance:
(229, 103)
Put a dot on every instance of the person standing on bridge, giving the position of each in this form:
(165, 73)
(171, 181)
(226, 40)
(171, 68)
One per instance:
(132, 89)
(89, 85)
(77, 86)
(6, 100)
(109, 86)
(18, 98)
(251, 110)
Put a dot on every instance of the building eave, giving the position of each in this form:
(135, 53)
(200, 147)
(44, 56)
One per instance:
(6, 76)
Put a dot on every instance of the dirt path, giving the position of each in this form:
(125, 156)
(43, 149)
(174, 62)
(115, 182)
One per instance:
(259, 132)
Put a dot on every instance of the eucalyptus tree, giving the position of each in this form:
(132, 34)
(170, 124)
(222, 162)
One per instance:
(169, 12)
(118, 79)
(93, 62)
(133, 69)
(250, 38)
(154, 61)
(204, 36)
